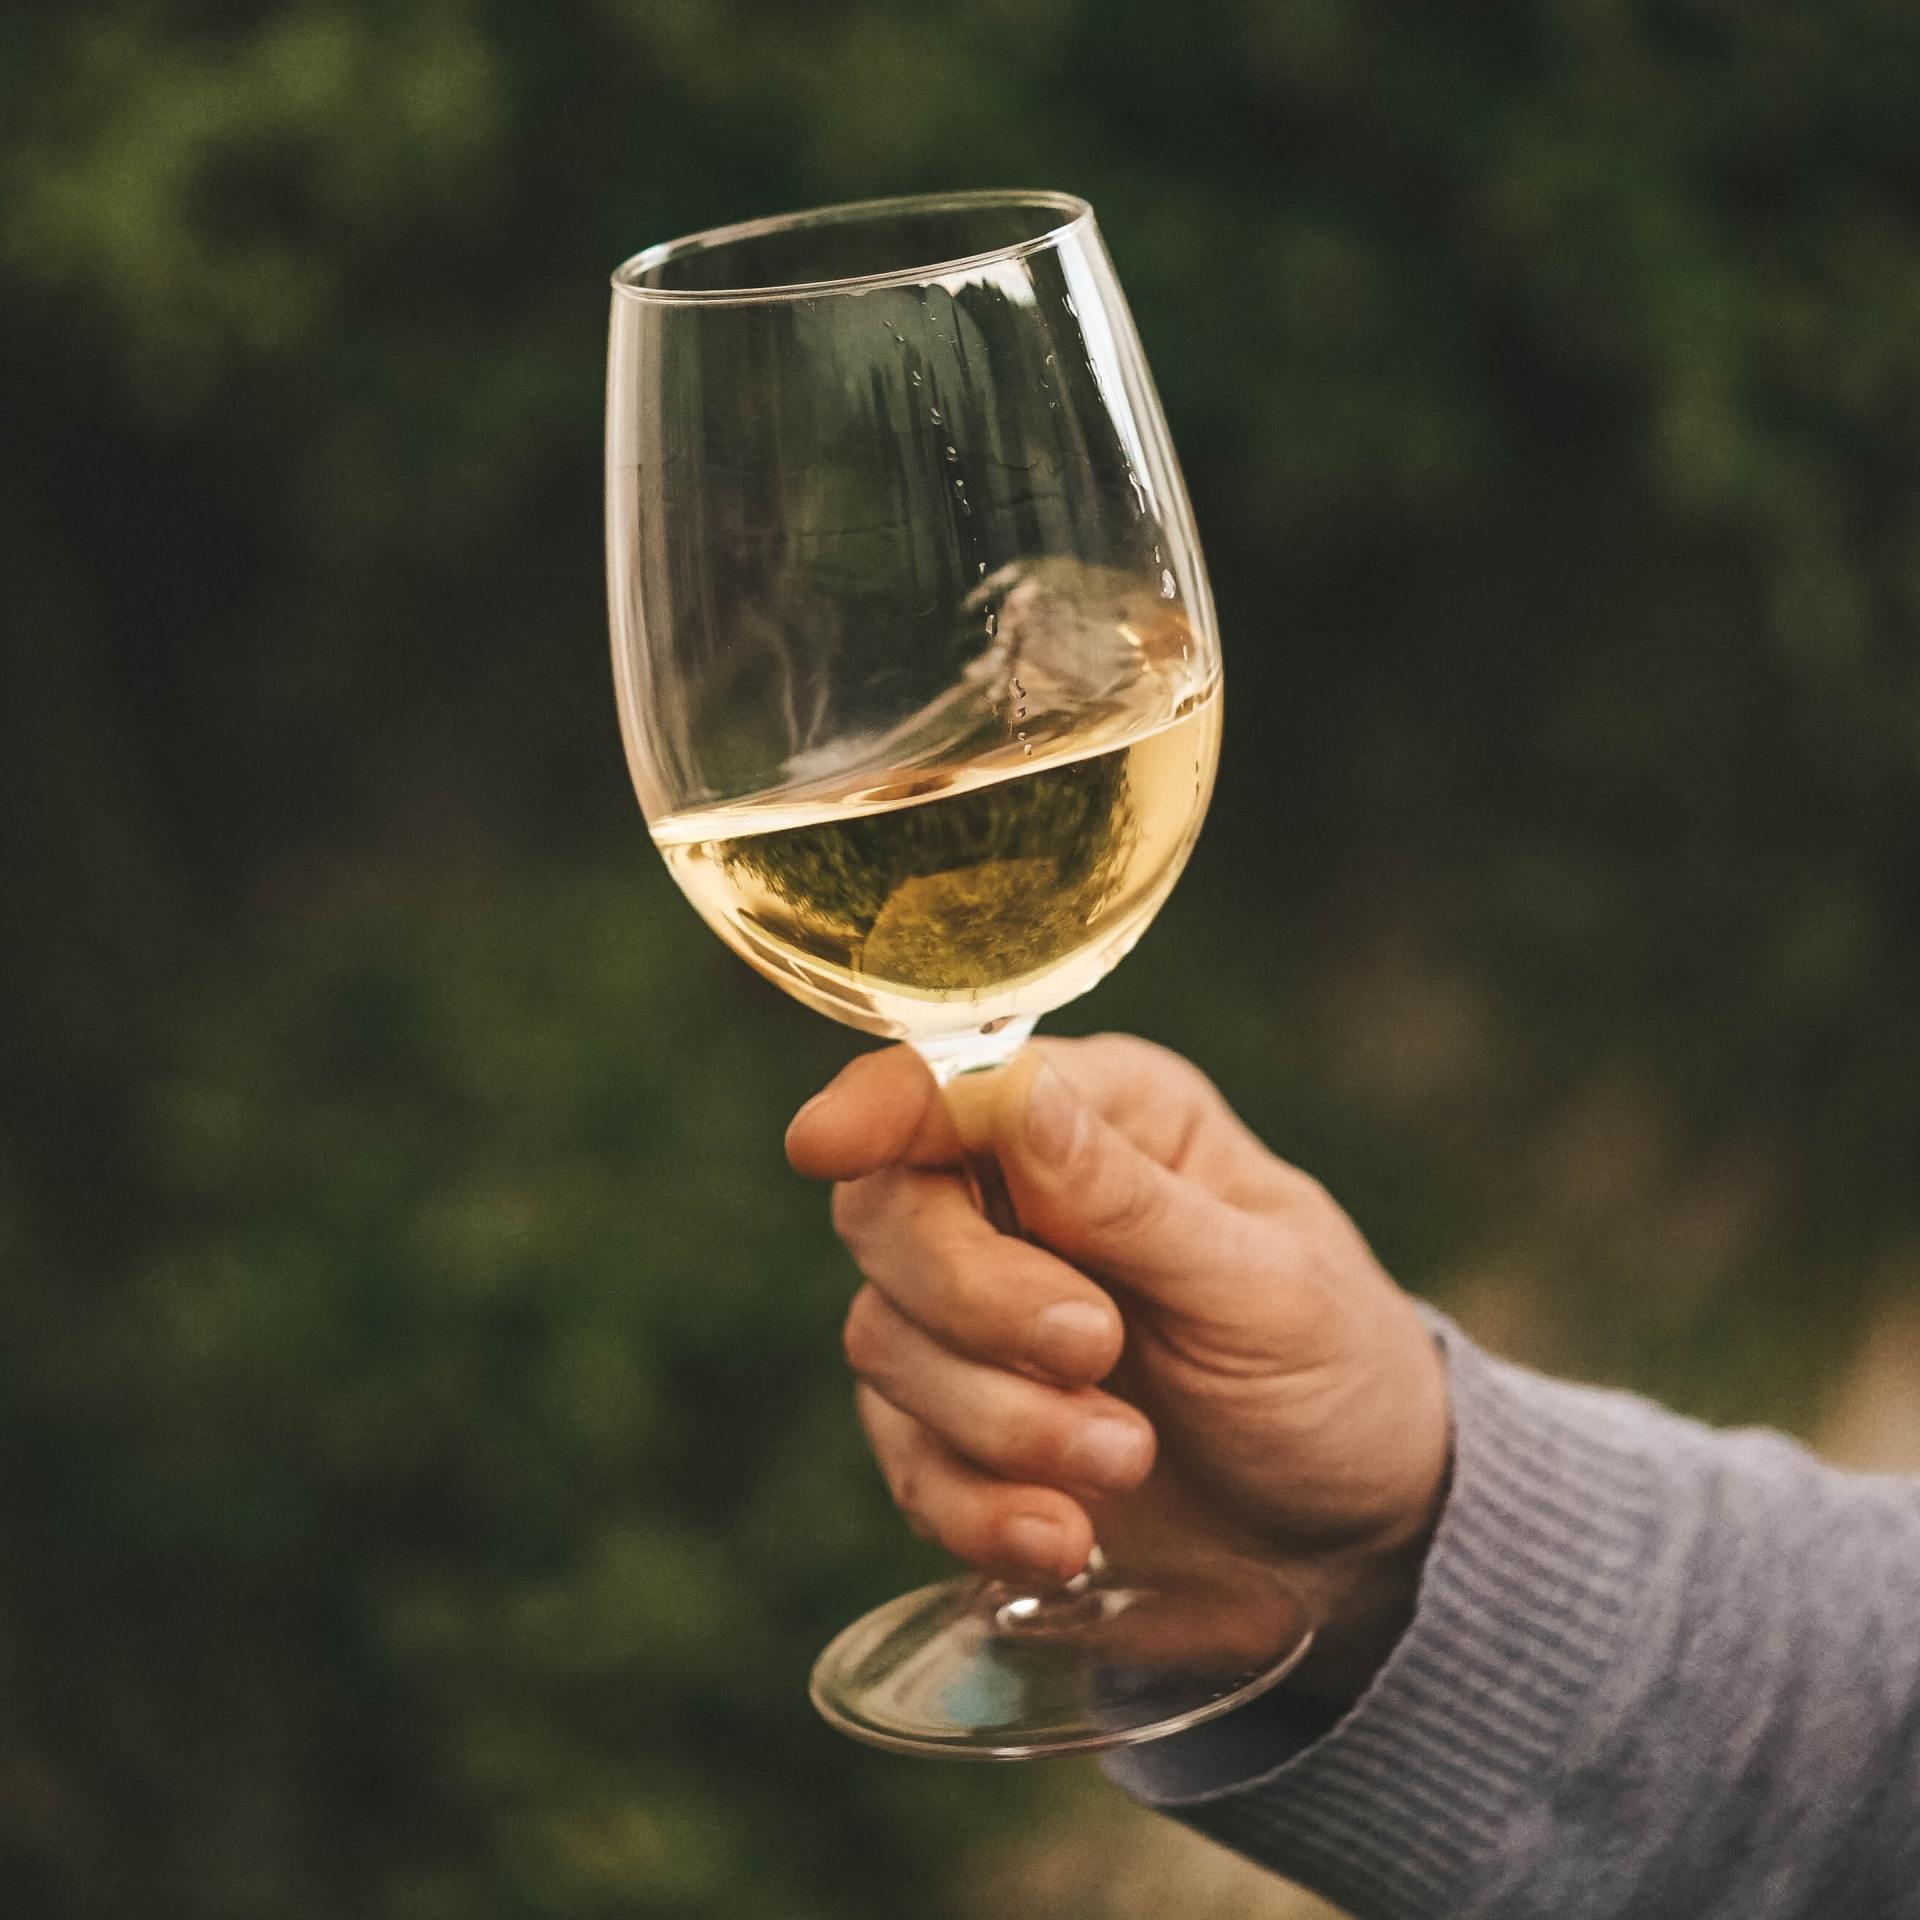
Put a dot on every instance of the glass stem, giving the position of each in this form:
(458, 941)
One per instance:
(968, 1070)
(990, 1190)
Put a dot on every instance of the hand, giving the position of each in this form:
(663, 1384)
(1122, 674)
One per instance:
(1280, 1391)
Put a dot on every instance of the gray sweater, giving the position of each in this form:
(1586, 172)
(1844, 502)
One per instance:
(1654, 1671)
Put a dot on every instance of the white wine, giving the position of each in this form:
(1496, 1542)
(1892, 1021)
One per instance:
(995, 851)
(952, 901)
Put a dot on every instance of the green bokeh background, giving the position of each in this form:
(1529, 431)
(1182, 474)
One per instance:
(428, 1468)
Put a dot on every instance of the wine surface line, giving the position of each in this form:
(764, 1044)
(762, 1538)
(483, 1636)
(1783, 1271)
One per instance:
(952, 897)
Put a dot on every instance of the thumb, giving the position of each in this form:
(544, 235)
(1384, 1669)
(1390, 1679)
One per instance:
(1086, 1191)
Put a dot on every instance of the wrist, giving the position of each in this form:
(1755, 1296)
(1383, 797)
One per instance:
(1364, 1593)
(1363, 1602)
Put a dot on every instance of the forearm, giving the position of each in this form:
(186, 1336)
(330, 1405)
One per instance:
(1651, 1670)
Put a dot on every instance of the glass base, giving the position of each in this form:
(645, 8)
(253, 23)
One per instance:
(978, 1669)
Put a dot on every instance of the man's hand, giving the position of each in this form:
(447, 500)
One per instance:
(1279, 1390)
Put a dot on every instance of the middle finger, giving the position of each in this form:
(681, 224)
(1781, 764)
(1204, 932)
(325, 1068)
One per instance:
(918, 1237)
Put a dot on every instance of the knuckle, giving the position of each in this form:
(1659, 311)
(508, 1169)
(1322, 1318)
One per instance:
(1302, 1190)
(1150, 1058)
(1316, 1222)
(918, 1202)
(1124, 1204)
(908, 1485)
(971, 1294)
(1135, 1051)
(861, 1338)
(857, 1207)
(845, 1209)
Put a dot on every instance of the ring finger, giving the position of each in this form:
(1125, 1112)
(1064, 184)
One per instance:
(1013, 1426)
(990, 1523)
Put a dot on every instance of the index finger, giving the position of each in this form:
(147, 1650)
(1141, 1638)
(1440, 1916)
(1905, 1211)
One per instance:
(881, 1110)
(884, 1110)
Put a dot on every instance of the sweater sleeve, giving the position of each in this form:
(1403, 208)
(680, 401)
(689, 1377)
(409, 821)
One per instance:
(1654, 1670)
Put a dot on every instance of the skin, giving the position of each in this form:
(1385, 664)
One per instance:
(1194, 1331)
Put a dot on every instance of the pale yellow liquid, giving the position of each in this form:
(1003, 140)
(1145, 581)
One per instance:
(942, 900)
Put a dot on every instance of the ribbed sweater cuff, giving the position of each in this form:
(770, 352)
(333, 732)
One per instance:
(1525, 1599)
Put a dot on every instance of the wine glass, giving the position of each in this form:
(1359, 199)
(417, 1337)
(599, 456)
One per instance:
(920, 688)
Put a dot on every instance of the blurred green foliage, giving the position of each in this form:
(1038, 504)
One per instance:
(428, 1467)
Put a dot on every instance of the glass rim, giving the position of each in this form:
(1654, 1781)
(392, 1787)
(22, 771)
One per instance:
(1074, 212)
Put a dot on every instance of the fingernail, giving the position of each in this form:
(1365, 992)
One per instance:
(1053, 1115)
(818, 1101)
(1034, 1539)
(1071, 1338)
(1108, 1453)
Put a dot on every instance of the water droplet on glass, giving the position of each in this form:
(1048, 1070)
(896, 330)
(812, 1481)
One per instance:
(915, 378)
(933, 414)
(1049, 359)
(1166, 584)
(1067, 302)
(953, 454)
(1025, 747)
(966, 508)
(983, 567)
(993, 622)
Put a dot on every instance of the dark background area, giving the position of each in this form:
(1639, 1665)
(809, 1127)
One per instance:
(428, 1467)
